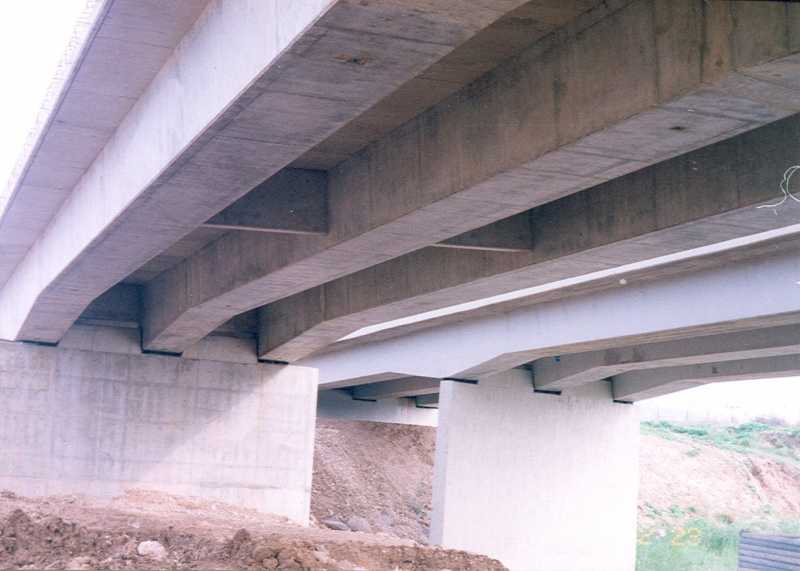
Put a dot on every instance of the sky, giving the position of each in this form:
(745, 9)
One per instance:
(33, 37)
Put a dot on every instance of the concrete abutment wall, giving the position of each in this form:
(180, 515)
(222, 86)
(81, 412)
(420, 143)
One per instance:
(541, 482)
(92, 422)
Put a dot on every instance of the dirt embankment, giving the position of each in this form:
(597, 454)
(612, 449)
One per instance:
(378, 476)
(149, 530)
(688, 475)
(374, 477)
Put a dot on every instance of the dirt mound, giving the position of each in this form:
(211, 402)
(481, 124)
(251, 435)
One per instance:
(685, 475)
(158, 531)
(374, 477)
(382, 473)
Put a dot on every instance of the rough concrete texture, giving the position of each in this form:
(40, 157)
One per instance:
(295, 201)
(97, 423)
(499, 41)
(561, 117)
(563, 471)
(251, 86)
(700, 198)
(734, 296)
(296, 326)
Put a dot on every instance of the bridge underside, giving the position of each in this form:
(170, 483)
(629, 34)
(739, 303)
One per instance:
(443, 202)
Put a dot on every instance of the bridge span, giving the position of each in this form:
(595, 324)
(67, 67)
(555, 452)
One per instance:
(233, 214)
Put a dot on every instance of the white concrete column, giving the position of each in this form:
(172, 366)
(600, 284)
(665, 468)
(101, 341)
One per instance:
(99, 422)
(540, 482)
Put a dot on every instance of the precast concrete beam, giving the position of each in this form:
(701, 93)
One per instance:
(396, 388)
(115, 52)
(561, 117)
(562, 371)
(294, 201)
(736, 296)
(296, 326)
(639, 385)
(707, 196)
(252, 86)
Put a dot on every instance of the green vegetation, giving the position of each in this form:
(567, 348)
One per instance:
(680, 537)
(697, 545)
(749, 437)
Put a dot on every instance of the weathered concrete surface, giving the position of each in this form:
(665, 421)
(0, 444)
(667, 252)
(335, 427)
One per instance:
(542, 483)
(734, 296)
(513, 234)
(561, 117)
(502, 39)
(339, 404)
(98, 422)
(700, 198)
(115, 52)
(295, 201)
(562, 371)
(296, 326)
(252, 86)
(499, 41)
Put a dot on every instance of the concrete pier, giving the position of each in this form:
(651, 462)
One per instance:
(97, 423)
(541, 482)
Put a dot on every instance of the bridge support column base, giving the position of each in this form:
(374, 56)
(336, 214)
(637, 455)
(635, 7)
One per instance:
(98, 423)
(540, 482)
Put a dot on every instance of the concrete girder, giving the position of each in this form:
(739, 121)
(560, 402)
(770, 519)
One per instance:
(116, 50)
(736, 296)
(296, 326)
(639, 385)
(294, 201)
(563, 371)
(397, 388)
(545, 124)
(252, 86)
(700, 198)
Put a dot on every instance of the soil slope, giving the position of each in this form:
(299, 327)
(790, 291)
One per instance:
(75, 532)
(374, 477)
(380, 474)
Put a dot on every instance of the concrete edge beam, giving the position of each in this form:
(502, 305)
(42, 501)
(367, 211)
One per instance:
(563, 371)
(252, 86)
(639, 385)
(294, 201)
(530, 132)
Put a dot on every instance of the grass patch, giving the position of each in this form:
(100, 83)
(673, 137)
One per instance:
(697, 545)
(783, 442)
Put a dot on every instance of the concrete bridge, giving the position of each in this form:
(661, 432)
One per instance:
(230, 204)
